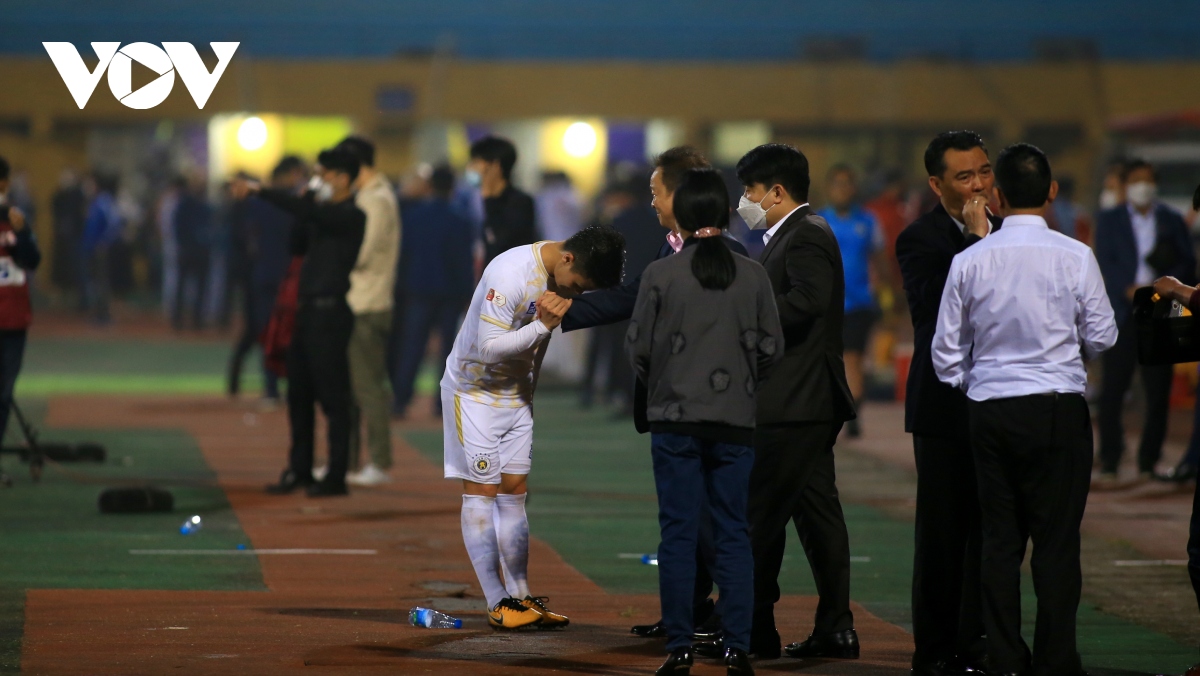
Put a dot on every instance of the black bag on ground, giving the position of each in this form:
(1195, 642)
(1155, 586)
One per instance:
(136, 500)
(1161, 338)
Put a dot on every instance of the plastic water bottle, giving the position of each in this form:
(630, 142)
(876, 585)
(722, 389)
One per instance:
(190, 526)
(432, 619)
(650, 559)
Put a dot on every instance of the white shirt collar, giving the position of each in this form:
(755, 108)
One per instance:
(1025, 219)
(775, 228)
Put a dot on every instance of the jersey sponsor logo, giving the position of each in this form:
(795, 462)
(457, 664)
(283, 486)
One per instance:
(491, 294)
(499, 299)
(532, 308)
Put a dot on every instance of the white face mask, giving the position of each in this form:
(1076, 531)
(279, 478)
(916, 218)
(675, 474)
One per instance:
(322, 191)
(473, 178)
(1109, 199)
(753, 212)
(1141, 194)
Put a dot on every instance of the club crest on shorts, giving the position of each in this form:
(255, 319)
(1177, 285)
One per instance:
(481, 464)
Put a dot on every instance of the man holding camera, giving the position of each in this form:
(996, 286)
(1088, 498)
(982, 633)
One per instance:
(19, 256)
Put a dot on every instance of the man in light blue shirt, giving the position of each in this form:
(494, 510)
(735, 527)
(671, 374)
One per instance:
(1021, 311)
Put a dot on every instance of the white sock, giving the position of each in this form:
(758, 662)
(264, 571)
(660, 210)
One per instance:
(513, 534)
(479, 535)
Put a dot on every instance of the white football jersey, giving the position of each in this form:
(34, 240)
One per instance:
(505, 299)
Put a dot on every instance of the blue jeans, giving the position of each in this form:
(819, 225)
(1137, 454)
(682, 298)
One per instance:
(12, 351)
(686, 469)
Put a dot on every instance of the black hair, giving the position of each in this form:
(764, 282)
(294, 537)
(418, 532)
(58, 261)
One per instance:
(1133, 165)
(776, 164)
(338, 159)
(363, 149)
(496, 149)
(442, 181)
(935, 154)
(599, 254)
(4, 169)
(287, 165)
(1023, 174)
(702, 201)
(675, 162)
(106, 181)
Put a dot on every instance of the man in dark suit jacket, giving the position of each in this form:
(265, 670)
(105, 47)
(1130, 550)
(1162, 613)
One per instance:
(609, 306)
(947, 615)
(801, 408)
(1136, 243)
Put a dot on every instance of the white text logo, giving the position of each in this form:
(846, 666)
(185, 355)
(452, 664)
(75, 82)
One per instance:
(172, 57)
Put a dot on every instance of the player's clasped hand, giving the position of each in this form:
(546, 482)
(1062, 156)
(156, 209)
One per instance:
(551, 309)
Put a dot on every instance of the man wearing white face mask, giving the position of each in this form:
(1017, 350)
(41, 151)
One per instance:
(509, 214)
(1136, 243)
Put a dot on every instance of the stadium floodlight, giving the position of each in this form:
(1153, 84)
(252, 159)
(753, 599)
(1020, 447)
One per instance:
(579, 140)
(252, 133)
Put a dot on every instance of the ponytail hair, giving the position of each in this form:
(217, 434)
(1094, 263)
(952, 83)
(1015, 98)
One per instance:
(701, 203)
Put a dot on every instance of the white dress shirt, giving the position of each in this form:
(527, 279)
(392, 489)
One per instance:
(1019, 312)
(775, 228)
(1145, 233)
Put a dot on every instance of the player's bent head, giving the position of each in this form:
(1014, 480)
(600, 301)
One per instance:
(775, 164)
(1023, 176)
(339, 167)
(593, 258)
(495, 150)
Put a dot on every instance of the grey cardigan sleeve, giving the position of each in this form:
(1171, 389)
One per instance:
(770, 332)
(640, 337)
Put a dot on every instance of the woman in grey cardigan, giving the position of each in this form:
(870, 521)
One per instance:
(703, 334)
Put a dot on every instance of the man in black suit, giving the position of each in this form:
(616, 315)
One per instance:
(1137, 242)
(802, 406)
(609, 306)
(947, 615)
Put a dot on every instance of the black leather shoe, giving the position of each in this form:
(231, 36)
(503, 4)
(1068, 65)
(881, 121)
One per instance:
(737, 663)
(289, 481)
(947, 668)
(1181, 473)
(679, 663)
(327, 489)
(656, 630)
(716, 650)
(842, 645)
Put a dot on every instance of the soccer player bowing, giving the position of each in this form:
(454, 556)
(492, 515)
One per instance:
(487, 396)
(703, 333)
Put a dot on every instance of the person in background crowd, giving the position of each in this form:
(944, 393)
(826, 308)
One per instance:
(559, 213)
(801, 407)
(193, 235)
(168, 204)
(947, 615)
(328, 234)
(102, 227)
(437, 274)
(890, 208)
(860, 240)
(1066, 216)
(267, 233)
(372, 287)
(1112, 191)
(703, 376)
(1021, 311)
(509, 214)
(69, 207)
(1136, 243)
(621, 207)
(19, 257)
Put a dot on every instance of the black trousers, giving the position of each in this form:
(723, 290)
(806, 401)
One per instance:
(1119, 364)
(793, 480)
(1193, 545)
(319, 373)
(1033, 458)
(946, 605)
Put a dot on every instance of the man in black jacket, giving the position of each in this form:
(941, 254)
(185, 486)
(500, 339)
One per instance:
(616, 305)
(802, 406)
(509, 217)
(947, 615)
(328, 234)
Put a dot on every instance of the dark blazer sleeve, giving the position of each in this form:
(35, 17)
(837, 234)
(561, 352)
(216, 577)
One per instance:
(810, 269)
(1108, 256)
(1185, 268)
